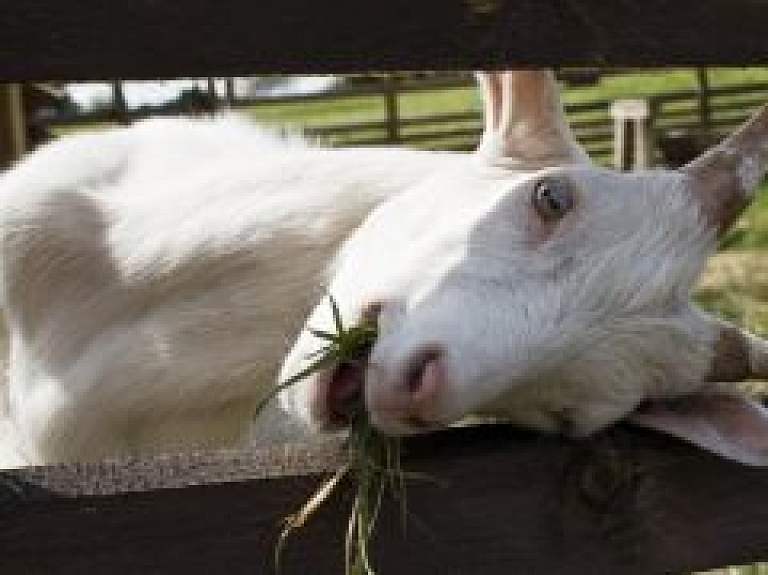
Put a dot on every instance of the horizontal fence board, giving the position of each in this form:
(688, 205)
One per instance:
(92, 39)
(693, 126)
(125, 475)
(728, 108)
(406, 122)
(497, 499)
(451, 82)
(590, 120)
(583, 125)
(713, 91)
(594, 136)
(442, 134)
(600, 153)
(674, 111)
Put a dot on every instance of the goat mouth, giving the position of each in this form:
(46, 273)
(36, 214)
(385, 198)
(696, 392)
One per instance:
(344, 393)
(341, 389)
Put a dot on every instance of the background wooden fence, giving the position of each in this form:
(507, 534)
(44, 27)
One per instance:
(700, 115)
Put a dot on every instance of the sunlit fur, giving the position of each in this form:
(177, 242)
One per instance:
(562, 326)
(152, 279)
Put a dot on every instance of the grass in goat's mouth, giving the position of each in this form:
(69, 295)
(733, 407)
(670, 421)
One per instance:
(374, 459)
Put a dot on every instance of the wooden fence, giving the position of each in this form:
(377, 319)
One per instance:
(495, 501)
(709, 113)
(700, 115)
(625, 502)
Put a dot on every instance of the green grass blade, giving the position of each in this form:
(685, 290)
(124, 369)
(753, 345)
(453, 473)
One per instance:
(303, 374)
(324, 335)
(336, 315)
(373, 458)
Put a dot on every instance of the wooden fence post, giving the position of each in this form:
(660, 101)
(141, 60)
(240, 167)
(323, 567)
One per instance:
(229, 87)
(393, 120)
(705, 112)
(212, 96)
(12, 124)
(631, 132)
(119, 107)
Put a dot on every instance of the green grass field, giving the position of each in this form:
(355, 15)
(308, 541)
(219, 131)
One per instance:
(735, 283)
(372, 108)
(361, 108)
(415, 104)
(296, 116)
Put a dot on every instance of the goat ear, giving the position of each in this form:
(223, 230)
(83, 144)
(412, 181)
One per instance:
(737, 355)
(724, 178)
(731, 426)
(525, 126)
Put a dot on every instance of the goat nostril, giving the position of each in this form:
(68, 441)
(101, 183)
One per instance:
(424, 371)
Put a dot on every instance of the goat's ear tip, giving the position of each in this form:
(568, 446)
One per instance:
(732, 426)
(728, 174)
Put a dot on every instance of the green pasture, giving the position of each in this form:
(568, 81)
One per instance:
(294, 116)
(414, 104)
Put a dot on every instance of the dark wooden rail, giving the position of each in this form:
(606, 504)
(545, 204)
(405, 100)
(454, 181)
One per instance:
(500, 501)
(80, 39)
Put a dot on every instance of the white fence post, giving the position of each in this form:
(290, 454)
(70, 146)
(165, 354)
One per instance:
(631, 134)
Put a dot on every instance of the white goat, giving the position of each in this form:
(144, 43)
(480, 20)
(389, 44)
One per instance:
(529, 284)
(153, 278)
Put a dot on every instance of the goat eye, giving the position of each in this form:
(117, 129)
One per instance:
(552, 199)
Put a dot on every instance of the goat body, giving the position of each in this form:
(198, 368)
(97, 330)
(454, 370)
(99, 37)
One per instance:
(152, 278)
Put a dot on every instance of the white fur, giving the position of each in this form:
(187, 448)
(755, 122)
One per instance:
(570, 332)
(563, 320)
(152, 278)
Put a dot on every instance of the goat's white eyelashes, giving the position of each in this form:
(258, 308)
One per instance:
(552, 198)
